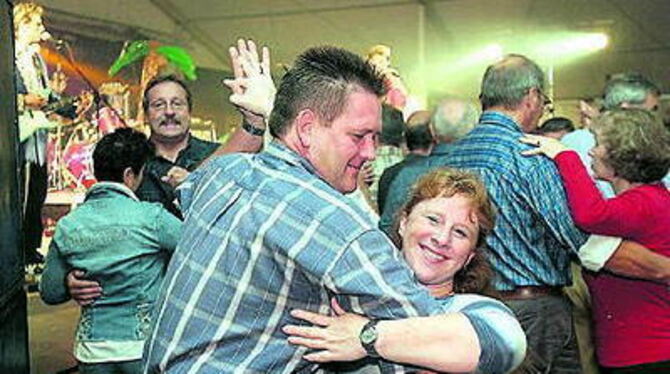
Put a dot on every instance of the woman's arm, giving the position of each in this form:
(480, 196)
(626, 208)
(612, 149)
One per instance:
(52, 284)
(618, 216)
(621, 215)
(168, 229)
(447, 342)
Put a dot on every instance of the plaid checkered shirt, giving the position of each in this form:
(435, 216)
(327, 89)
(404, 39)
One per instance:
(263, 235)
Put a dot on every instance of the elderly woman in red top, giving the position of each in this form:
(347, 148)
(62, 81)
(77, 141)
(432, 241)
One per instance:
(632, 152)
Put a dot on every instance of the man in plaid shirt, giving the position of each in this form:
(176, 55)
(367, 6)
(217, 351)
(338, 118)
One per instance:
(268, 233)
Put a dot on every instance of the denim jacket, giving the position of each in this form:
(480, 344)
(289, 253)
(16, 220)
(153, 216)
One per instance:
(123, 244)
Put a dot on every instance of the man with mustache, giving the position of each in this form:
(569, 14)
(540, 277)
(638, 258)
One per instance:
(167, 107)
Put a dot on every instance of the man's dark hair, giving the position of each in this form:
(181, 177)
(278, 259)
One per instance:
(124, 148)
(162, 79)
(419, 136)
(321, 79)
(393, 126)
(556, 124)
(509, 80)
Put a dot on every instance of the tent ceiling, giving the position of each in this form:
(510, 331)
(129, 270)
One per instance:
(426, 35)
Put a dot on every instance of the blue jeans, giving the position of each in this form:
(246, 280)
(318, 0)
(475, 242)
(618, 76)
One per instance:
(123, 367)
(552, 344)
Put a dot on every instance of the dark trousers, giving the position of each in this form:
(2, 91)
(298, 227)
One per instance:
(552, 344)
(34, 179)
(123, 367)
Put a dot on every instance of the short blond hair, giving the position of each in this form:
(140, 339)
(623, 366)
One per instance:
(24, 12)
(378, 50)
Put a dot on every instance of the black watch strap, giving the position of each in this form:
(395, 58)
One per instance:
(368, 338)
(251, 129)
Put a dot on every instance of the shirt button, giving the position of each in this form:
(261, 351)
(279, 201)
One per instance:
(609, 316)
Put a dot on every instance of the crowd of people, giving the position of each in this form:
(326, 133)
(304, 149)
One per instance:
(261, 256)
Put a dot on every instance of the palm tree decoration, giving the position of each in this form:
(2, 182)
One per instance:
(155, 57)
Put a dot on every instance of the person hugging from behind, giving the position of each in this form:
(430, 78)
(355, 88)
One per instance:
(632, 152)
(121, 243)
(441, 231)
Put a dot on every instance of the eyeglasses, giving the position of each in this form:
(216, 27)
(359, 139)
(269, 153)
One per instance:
(161, 105)
(546, 101)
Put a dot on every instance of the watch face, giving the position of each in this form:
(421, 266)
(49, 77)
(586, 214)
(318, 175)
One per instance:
(368, 336)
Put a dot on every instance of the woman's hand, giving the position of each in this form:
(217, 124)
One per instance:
(545, 146)
(335, 337)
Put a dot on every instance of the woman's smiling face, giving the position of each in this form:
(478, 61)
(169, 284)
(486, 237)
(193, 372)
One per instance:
(438, 239)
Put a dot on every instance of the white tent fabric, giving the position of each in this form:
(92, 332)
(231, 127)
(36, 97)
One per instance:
(428, 37)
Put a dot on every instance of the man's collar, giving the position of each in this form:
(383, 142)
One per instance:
(500, 118)
(189, 140)
(439, 149)
(280, 150)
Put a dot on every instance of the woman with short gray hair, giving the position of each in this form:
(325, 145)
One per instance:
(632, 152)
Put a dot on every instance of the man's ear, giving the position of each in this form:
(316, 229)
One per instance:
(129, 177)
(305, 122)
(531, 96)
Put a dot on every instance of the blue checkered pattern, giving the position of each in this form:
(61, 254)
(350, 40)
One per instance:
(264, 235)
(534, 235)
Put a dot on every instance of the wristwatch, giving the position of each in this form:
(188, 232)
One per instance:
(251, 129)
(368, 338)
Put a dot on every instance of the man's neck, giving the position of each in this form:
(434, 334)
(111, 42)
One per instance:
(516, 115)
(421, 152)
(169, 150)
(292, 142)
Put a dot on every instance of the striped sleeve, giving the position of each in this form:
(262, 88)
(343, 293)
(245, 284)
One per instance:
(501, 338)
(376, 280)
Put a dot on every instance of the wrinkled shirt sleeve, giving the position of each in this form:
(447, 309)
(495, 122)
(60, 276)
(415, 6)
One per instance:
(168, 230)
(547, 197)
(52, 285)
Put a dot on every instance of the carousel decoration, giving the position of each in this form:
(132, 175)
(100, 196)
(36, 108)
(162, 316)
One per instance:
(116, 115)
(73, 166)
(70, 146)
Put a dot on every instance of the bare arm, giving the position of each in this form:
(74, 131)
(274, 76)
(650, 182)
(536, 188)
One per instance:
(253, 95)
(430, 338)
(446, 342)
(634, 260)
